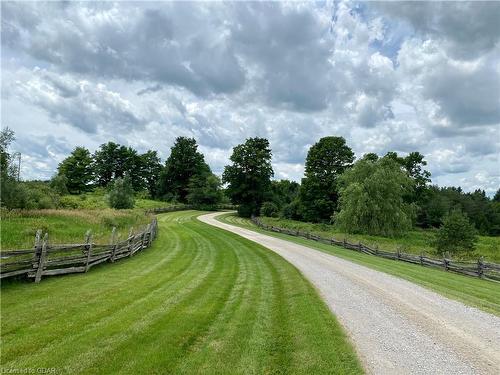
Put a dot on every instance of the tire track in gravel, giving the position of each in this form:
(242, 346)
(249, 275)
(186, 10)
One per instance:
(397, 327)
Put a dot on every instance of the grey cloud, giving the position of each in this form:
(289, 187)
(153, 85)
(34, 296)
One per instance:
(79, 103)
(150, 89)
(288, 49)
(469, 28)
(465, 96)
(122, 41)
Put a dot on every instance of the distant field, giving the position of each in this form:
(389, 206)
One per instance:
(200, 300)
(472, 291)
(67, 226)
(97, 200)
(415, 242)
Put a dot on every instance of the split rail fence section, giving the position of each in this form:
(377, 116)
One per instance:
(480, 268)
(46, 259)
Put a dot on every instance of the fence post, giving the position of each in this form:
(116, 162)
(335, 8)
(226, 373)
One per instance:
(143, 237)
(421, 259)
(112, 243)
(376, 249)
(130, 241)
(150, 237)
(445, 262)
(398, 252)
(38, 246)
(480, 267)
(345, 243)
(41, 260)
(359, 246)
(88, 245)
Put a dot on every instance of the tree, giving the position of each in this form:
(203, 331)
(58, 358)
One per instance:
(496, 198)
(12, 194)
(59, 184)
(78, 169)
(121, 194)
(269, 209)
(204, 191)
(325, 162)
(112, 161)
(249, 175)
(372, 199)
(183, 163)
(283, 192)
(456, 235)
(105, 163)
(150, 171)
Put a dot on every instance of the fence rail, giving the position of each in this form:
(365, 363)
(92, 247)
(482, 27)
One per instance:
(46, 259)
(480, 268)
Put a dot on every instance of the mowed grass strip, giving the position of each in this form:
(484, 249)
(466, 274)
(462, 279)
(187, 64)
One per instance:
(483, 294)
(201, 300)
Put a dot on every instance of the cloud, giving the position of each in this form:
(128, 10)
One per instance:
(81, 104)
(395, 76)
(467, 29)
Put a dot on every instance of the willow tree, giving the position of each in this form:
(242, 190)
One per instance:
(371, 198)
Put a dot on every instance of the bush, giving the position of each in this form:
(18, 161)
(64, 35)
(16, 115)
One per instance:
(269, 209)
(58, 184)
(456, 235)
(121, 194)
(291, 211)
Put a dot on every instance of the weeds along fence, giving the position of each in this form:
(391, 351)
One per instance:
(46, 259)
(480, 268)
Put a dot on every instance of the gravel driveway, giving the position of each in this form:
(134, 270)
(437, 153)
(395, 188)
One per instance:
(397, 327)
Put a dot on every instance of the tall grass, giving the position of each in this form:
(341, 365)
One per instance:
(66, 226)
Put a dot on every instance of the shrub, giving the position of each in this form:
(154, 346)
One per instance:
(58, 184)
(121, 194)
(291, 211)
(456, 234)
(269, 209)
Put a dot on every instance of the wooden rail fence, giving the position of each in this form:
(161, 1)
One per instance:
(480, 268)
(47, 259)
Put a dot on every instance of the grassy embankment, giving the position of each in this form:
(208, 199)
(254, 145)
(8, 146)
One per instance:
(98, 200)
(200, 300)
(475, 292)
(67, 226)
(415, 242)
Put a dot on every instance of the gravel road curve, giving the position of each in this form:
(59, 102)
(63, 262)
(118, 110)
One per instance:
(397, 327)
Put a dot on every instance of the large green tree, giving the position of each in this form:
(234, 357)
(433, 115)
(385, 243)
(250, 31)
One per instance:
(326, 161)
(184, 162)
(78, 170)
(150, 170)
(204, 191)
(372, 198)
(249, 175)
(112, 161)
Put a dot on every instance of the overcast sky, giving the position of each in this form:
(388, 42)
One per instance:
(386, 76)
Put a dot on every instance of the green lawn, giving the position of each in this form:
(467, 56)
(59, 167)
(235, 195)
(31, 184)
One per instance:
(201, 300)
(67, 226)
(475, 292)
(415, 242)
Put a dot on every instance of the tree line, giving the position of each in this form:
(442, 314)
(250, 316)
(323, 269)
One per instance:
(381, 195)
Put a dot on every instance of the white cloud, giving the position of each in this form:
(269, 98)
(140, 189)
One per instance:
(400, 77)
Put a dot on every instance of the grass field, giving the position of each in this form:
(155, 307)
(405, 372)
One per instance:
(97, 200)
(18, 228)
(415, 242)
(200, 300)
(475, 292)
